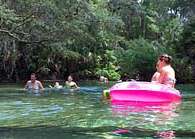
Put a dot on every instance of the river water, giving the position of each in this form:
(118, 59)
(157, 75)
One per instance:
(60, 114)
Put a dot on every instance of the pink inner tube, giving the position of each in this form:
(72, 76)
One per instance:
(144, 92)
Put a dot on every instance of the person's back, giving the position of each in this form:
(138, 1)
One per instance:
(170, 71)
(168, 76)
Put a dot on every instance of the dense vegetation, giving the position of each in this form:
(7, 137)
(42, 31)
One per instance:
(89, 38)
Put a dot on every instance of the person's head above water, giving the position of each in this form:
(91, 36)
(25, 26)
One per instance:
(57, 84)
(33, 77)
(70, 78)
(103, 79)
(164, 60)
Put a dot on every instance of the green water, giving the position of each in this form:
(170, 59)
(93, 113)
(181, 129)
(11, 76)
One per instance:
(61, 114)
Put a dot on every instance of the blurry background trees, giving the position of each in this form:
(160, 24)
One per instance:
(89, 38)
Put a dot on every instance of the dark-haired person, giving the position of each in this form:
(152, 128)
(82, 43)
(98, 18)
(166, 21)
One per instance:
(33, 84)
(167, 73)
(71, 84)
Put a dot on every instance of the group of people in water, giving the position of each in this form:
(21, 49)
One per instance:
(164, 74)
(37, 85)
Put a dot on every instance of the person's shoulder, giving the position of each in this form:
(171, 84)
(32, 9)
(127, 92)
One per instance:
(165, 69)
(75, 83)
(172, 68)
(168, 69)
(29, 81)
(38, 81)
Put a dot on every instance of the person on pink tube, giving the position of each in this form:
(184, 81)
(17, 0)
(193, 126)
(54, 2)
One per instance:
(167, 73)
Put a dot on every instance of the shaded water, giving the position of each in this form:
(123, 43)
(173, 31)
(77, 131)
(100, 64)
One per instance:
(62, 114)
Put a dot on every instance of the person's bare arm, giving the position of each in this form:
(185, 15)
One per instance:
(153, 77)
(26, 85)
(76, 85)
(41, 86)
(162, 76)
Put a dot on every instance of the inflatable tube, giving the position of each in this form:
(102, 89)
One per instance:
(144, 92)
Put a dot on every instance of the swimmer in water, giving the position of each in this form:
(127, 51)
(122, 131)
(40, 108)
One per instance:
(103, 79)
(57, 85)
(70, 83)
(33, 84)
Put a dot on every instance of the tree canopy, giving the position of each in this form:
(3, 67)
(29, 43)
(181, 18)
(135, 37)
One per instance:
(89, 38)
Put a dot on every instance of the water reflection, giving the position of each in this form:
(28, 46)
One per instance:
(156, 113)
(139, 132)
(151, 114)
(166, 134)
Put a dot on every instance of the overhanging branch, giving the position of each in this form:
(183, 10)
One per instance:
(9, 33)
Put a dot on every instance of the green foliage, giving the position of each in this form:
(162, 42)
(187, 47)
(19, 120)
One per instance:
(109, 68)
(183, 70)
(139, 59)
(93, 37)
(186, 48)
(187, 42)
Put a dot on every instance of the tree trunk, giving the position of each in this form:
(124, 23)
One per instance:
(143, 29)
(193, 70)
